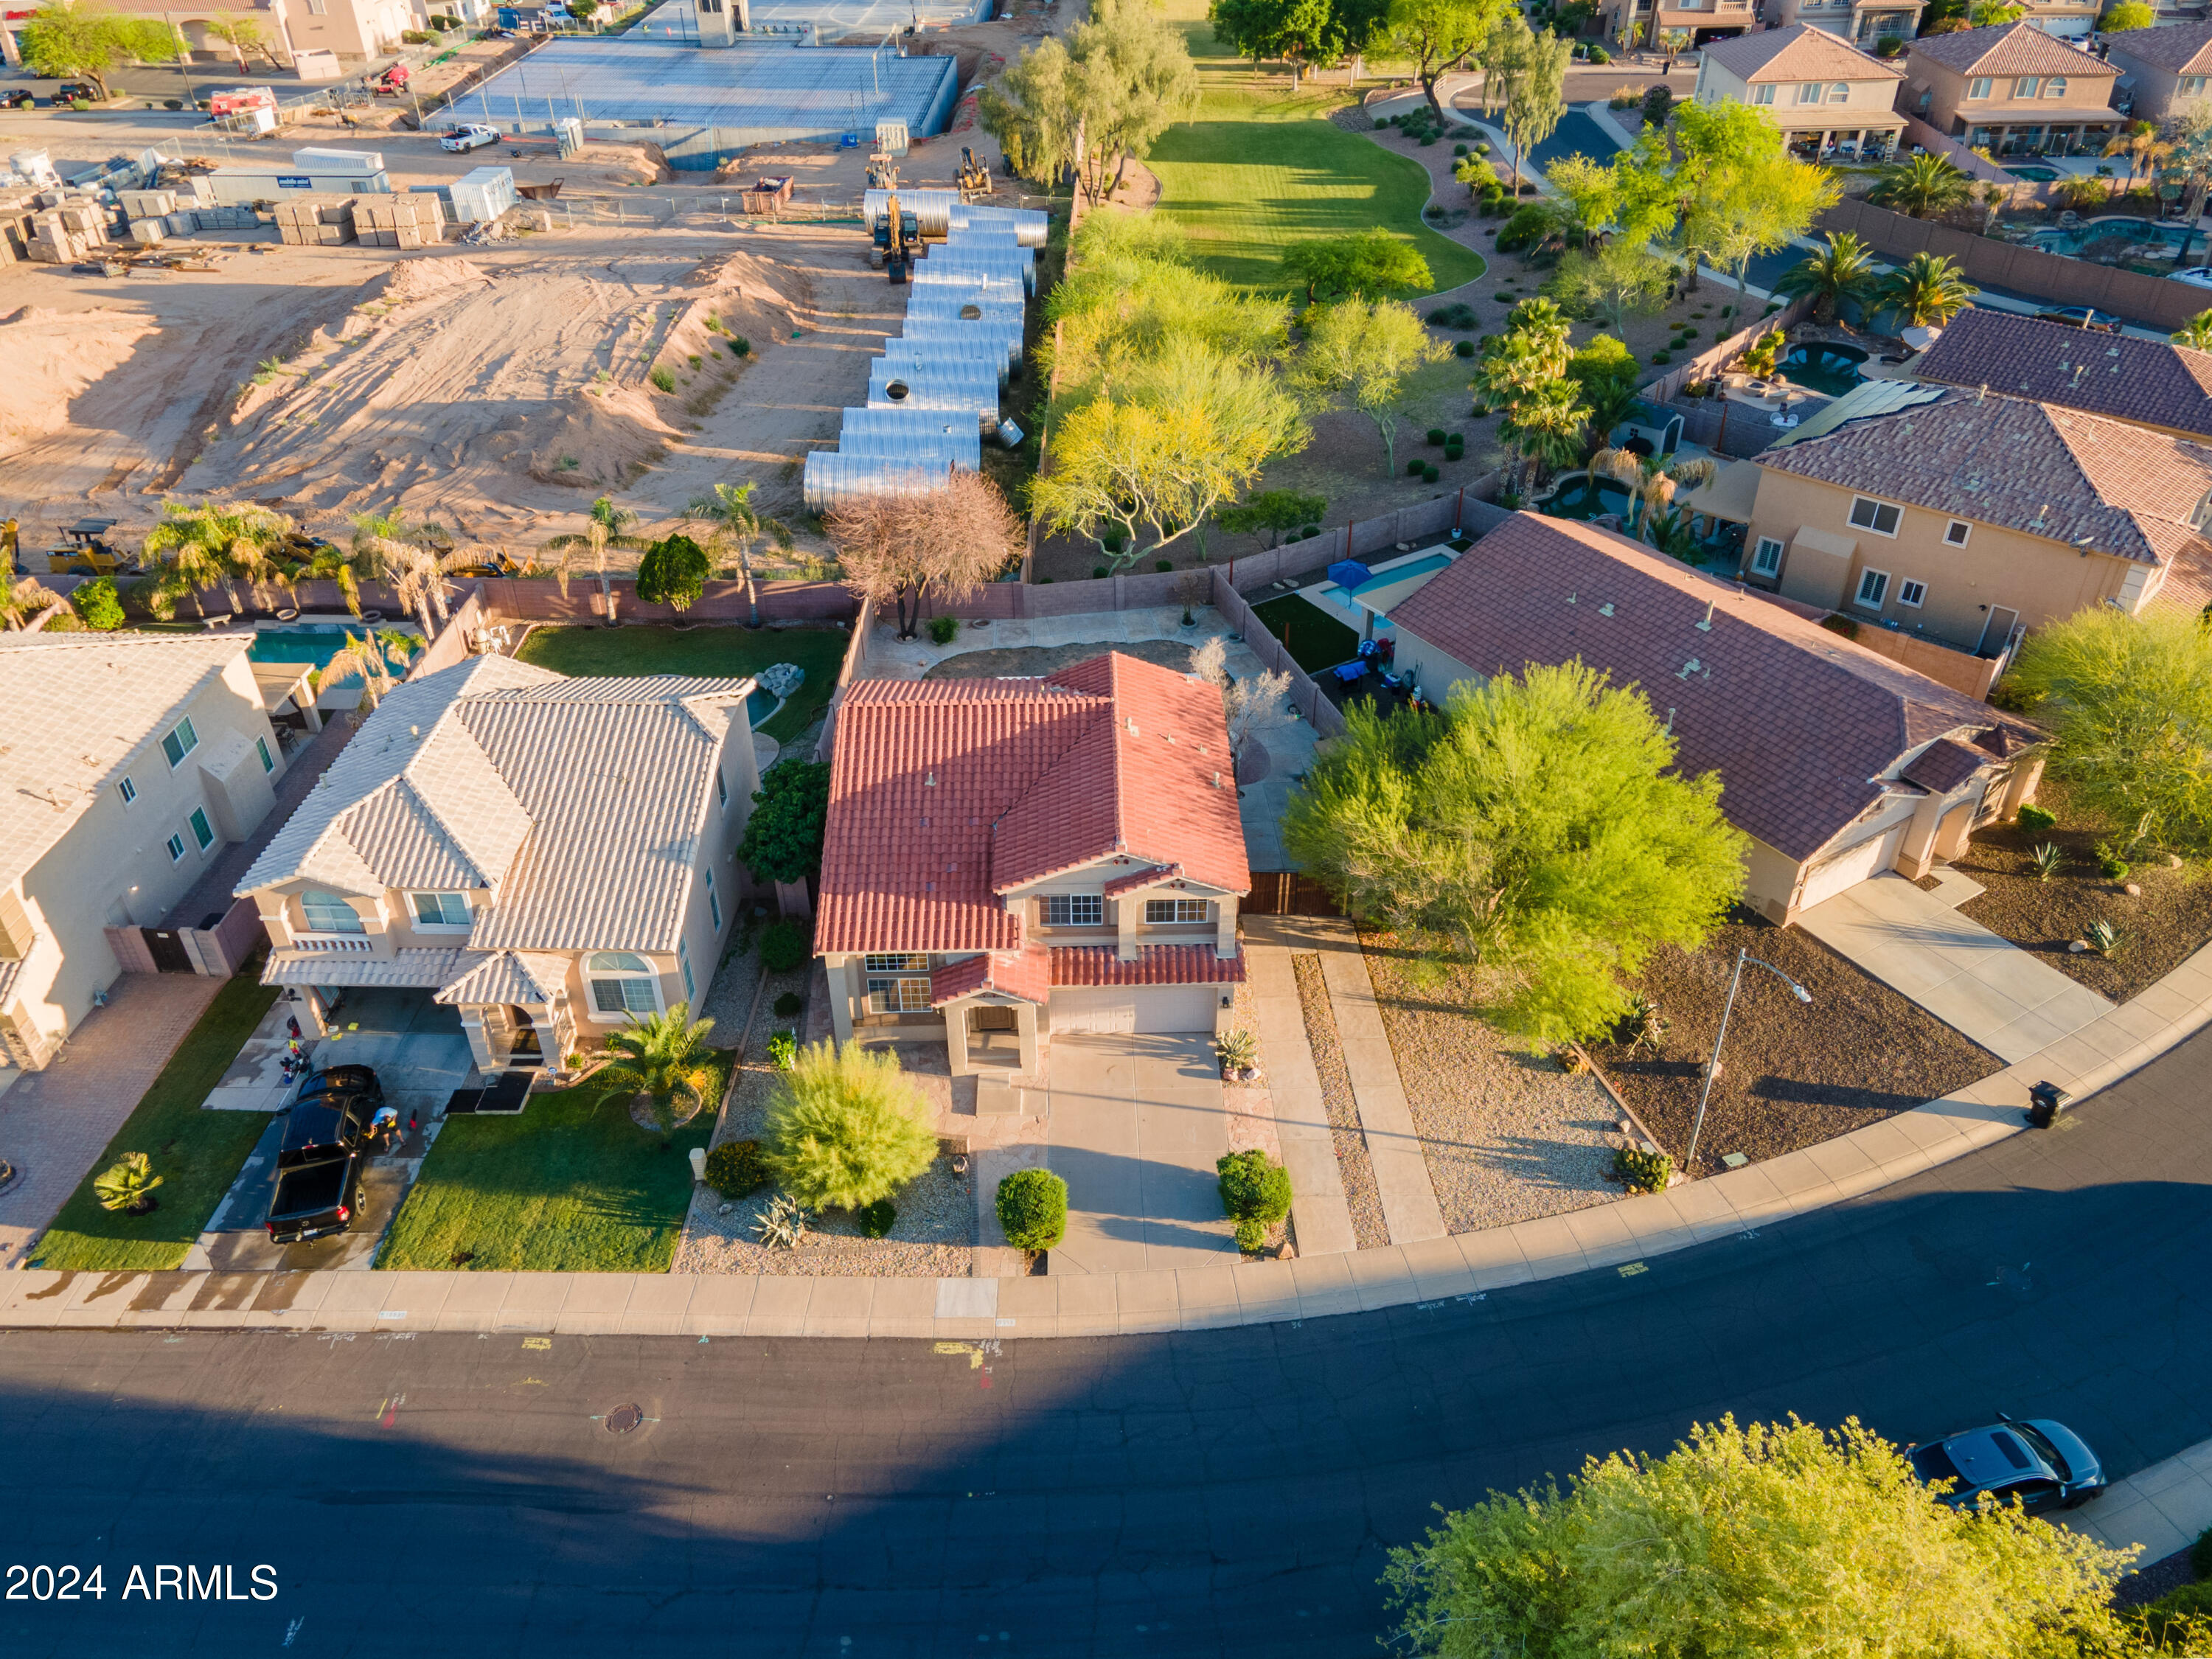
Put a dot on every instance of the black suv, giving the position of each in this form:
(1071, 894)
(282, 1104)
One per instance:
(326, 1146)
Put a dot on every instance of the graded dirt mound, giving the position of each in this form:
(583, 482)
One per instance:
(52, 356)
(420, 279)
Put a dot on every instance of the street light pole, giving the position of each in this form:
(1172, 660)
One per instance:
(1713, 1065)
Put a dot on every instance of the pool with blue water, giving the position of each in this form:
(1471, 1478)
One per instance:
(1826, 367)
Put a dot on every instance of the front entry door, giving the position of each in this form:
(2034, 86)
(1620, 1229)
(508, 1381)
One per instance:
(523, 1048)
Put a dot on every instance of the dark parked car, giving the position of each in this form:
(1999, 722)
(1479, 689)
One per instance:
(77, 92)
(2040, 1464)
(326, 1146)
(2080, 317)
(19, 98)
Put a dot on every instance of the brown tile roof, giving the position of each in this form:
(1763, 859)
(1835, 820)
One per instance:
(2037, 468)
(1943, 765)
(1799, 722)
(2150, 382)
(1156, 964)
(1799, 52)
(945, 794)
(2184, 48)
(2008, 49)
(1026, 973)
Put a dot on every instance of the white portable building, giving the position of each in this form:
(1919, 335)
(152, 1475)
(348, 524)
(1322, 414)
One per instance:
(483, 193)
(334, 163)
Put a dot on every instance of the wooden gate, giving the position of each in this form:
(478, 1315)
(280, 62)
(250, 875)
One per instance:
(1288, 893)
(169, 951)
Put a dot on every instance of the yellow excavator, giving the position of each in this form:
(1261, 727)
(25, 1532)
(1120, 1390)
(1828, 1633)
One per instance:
(974, 177)
(898, 234)
(86, 552)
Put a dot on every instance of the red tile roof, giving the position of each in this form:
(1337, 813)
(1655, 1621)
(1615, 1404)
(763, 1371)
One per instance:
(1026, 974)
(1798, 722)
(1147, 877)
(945, 794)
(1156, 964)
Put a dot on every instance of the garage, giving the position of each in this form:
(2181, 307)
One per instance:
(1851, 866)
(1135, 1008)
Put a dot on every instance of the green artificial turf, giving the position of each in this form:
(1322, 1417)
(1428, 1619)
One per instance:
(1316, 641)
(570, 1186)
(710, 649)
(197, 1152)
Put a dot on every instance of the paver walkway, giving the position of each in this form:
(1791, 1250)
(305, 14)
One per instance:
(2162, 1508)
(1319, 1214)
(1967, 977)
(1134, 1128)
(55, 1123)
(212, 894)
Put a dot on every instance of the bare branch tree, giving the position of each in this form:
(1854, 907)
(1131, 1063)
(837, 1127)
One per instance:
(951, 539)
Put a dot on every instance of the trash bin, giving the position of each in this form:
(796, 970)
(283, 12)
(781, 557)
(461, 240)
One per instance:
(2043, 1101)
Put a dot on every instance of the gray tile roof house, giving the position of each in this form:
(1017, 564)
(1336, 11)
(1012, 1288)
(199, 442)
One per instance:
(496, 830)
(2184, 48)
(2008, 49)
(1811, 735)
(2151, 383)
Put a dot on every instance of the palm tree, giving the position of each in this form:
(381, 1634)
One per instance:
(1611, 402)
(1844, 270)
(1991, 13)
(2195, 334)
(1544, 428)
(363, 655)
(127, 1185)
(1623, 466)
(736, 524)
(661, 1058)
(209, 546)
(1924, 185)
(2138, 141)
(1928, 289)
(606, 526)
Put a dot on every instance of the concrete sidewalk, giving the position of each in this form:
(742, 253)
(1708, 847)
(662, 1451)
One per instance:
(1318, 1212)
(2163, 1508)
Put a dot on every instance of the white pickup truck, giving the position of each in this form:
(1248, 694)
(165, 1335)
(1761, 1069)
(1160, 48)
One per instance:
(475, 135)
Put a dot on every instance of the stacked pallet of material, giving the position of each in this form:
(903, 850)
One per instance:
(65, 235)
(212, 217)
(150, 233)
(316, 221)
(17, 209)
(414, 220)
(148, 203)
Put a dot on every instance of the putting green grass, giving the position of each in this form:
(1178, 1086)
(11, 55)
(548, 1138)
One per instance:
(710, 649)
(197, 1153)
(1315, 639)
(570, 1186)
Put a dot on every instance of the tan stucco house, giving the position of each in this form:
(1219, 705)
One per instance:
(128, 762)
(1009, 857)
(2167, 70)
(2015, 89)
(1709, 20)
(1864, 22)
(549, 854)
(1825, 94)
(1964, 517)
(1837, 763)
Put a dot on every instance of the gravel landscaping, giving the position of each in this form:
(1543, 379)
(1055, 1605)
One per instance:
(1369, 1232)
(2161, 927)
(1792, 1075)
(1507, 1135)
(1025, 661)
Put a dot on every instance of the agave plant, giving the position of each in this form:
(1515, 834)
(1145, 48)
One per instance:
(782, 1225)
(2045, 860)
(2105, 939)
(1239, 1050)
(1643, 1027)
(128, 1185)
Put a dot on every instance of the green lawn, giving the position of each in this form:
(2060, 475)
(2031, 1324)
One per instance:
(1315, 639)
(197, 1153)
(570, 1186)
(711, 649)
(1260, 167)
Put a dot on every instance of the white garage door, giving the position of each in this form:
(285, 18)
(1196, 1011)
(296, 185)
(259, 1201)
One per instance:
(1128, 1008)
(1851, 866)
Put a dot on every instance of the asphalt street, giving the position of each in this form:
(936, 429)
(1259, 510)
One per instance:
(1225, 1492)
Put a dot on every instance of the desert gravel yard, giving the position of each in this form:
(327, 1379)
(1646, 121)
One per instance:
(1369, 1231)
(1791, 1075)
(1507, 1135)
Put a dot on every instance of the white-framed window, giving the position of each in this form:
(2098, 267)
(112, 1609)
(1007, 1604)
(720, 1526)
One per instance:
(1956, 533)
(317, 8)
(1762, 94)
(1766, 557)
(1074, 910)
(2027, 86)
(127, 790)
(176, 845)
(202, 831)
(268, 760)
(180, 741)
(2055, 86)
(1177, 909)
(440, 909)
(1978, 87)
(898, 983)
(327, 913)
(1911, 592)
(713, 903)
(721, 791)
(1811, 92)
(683, 965)
(2193, 86)
(1874, 586)
(1881, 516)
(623, 983)
(1839, 92)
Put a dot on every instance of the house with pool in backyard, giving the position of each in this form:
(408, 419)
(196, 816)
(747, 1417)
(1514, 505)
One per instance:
(547, 855)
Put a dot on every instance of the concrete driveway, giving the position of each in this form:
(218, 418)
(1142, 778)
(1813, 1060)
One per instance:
(1968, 977)
(1135, 1125)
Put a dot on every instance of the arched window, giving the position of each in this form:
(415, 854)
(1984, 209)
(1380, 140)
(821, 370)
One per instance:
(327, 913)
(622, 983)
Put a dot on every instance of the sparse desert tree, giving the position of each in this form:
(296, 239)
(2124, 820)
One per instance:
(846, 1126)
(1371, 264)
(1088, 105)
(1435, 35)
(1250, 707)
(946, 541)
(1523, 83)
(68, 42)
(1364, 351)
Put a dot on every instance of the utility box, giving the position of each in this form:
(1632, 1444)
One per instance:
(483, 193)
(313, 63)
(892, 137)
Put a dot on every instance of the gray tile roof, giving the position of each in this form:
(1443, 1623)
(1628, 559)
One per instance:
(1799, 52)
(2038, 468)
(2009, 49)
(2151, 382)
(401, 970)
(515, 977)
(75, 707)
(2184, 48)
(1945, 764)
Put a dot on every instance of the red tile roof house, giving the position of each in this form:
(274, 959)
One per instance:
(1839, 764)
(1006, 858)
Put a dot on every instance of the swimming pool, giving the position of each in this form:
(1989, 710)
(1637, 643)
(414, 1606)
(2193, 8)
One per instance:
(1834, 369)
(316, 643)
(2116, 237)
(1575, 500)
(762, 704)
(2037, 175)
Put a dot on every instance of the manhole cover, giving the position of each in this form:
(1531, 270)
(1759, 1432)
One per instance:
(623, 1419)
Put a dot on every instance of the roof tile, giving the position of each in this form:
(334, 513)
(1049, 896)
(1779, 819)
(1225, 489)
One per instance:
(1156, 964)
(1799, 52)
(2149, 382)
(2009, 49)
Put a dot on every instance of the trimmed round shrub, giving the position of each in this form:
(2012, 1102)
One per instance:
(875, 1219)
(1381, 122)
(1033, 1209)
(1251, 1236)
(1689, 333)
(1254, 1188)
(783, 945)
(1459, 149)
(1481, 148)
(1164, 565)
(1435, 434)
(1659, 357)
(943, 629)
(740, 346)
(736, 1168)
(1111, 541)
(2200, 1554)
(1600, 55)
(1464, 348)
(1641, 1171)
(1413, 468)
(1309, 532)
(2035, 819)
(97, 604)
(1430, 474)
(1098, 573)
(788, 1005)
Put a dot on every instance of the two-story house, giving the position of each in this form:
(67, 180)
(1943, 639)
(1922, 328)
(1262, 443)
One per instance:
(1007, 858)
(128, 761)
(1652, 20)
(2166, 71)
(2014, 89)
(1865, 23)
(1837, 763)
(1964, 516)
(2153, 383)
(551, 855)
(1827, 96)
